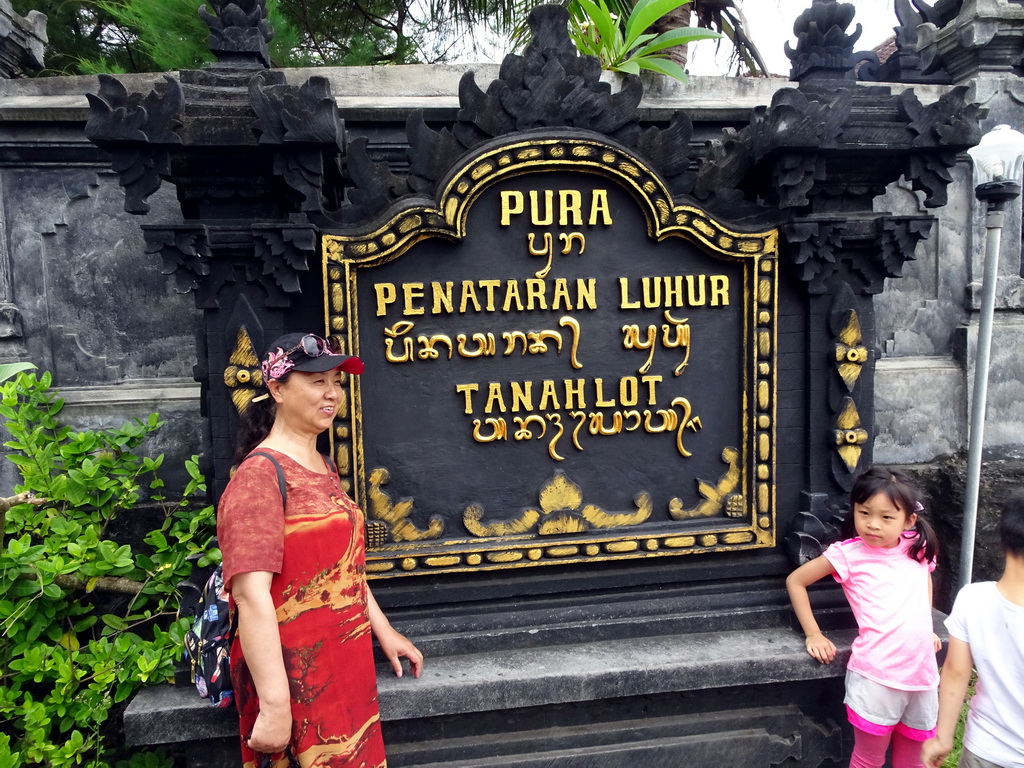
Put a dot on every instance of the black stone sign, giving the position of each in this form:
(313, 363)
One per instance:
(563, 365)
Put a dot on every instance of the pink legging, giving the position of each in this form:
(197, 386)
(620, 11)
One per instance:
(869, 750)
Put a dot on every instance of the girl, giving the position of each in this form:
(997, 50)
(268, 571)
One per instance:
(884, 564)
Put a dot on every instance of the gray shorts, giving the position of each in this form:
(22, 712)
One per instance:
(879, 709)
(971, 760)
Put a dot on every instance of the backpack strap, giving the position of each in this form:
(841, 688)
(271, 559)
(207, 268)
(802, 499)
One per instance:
(327, 460)
(280, 473)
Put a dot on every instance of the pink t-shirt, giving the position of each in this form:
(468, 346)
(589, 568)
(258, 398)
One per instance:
(889, 594)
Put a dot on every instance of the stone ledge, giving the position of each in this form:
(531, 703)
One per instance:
(479, 682)
(612, 669)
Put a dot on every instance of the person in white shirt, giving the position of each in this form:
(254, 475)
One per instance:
(986, 631)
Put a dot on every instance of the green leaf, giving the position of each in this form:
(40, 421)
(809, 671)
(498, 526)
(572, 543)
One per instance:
(10, 370)
(114, 622)
(602, 19)
(680, 36)
(644, 14)
(664, 67)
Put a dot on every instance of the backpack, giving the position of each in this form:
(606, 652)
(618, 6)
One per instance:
(208, 641)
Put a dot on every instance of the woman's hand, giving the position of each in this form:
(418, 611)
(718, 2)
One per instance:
(934, 751)
(396, 645)
(272, 730)
(937, 642)
(392, 642)
(820, 648)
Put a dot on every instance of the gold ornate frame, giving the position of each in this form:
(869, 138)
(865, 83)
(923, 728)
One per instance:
(739, 507)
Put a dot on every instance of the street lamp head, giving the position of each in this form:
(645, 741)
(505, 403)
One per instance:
(998, 164)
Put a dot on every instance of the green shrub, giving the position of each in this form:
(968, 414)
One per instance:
(85, 621)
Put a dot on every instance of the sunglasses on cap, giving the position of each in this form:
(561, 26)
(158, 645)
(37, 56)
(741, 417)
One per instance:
(314, 346)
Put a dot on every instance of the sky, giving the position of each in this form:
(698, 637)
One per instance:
(770, 26)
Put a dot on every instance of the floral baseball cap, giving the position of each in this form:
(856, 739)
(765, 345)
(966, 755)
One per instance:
(306, 352)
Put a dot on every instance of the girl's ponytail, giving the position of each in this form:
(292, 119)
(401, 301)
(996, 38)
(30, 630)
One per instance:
(926, 544)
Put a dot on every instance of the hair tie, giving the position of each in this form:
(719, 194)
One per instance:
(918, 506)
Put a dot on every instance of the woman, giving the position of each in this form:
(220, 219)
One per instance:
(302, 661)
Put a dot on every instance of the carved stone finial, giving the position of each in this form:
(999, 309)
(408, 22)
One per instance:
(824, 51)
(137, 131)
(22, 40)
(239, 32)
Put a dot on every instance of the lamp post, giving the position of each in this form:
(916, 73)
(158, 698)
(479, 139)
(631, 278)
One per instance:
(998, 159)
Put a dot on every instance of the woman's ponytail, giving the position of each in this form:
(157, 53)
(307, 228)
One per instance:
(253, 427)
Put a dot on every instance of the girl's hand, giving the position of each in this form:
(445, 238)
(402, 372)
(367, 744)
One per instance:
(395, 645)
(820, 648)
(934, 751)
(272, 730)
(937, 642)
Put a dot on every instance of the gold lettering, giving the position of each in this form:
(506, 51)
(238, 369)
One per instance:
(549, 251)
(651, 381)
(486, 345)
(574, 326)
(599, 400)
(412, 292)
(695, 299)
(629, 391)
(652, 292)
(599, 205)
(586, 293)
(512, 294)
(386, 294)
(511, 337)
(511, 204)
(535, 291)
(494, 398)
(490, 286)
(561, 294)
(400, 328)
(673, 290)
(631, 340)
(571, 202)
(574, 397)
(568, 238)
(548, 397)
(499, 427)
(442, 297)
(468, 294)
(467, 390)
(556, 419)
(719, 291)
(624, 293)
(522, 396)
(427, 351)
(549, 208)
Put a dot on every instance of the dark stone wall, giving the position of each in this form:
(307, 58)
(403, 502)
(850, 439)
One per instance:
(92, 307)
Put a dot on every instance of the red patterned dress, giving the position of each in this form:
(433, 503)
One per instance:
(316, 550)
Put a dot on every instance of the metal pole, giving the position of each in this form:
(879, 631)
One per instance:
(993, 235)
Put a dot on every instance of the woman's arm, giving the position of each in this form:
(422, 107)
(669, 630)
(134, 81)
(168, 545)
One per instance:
(261, 643)
(956, 676)
(818, 646)
(394, 644)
